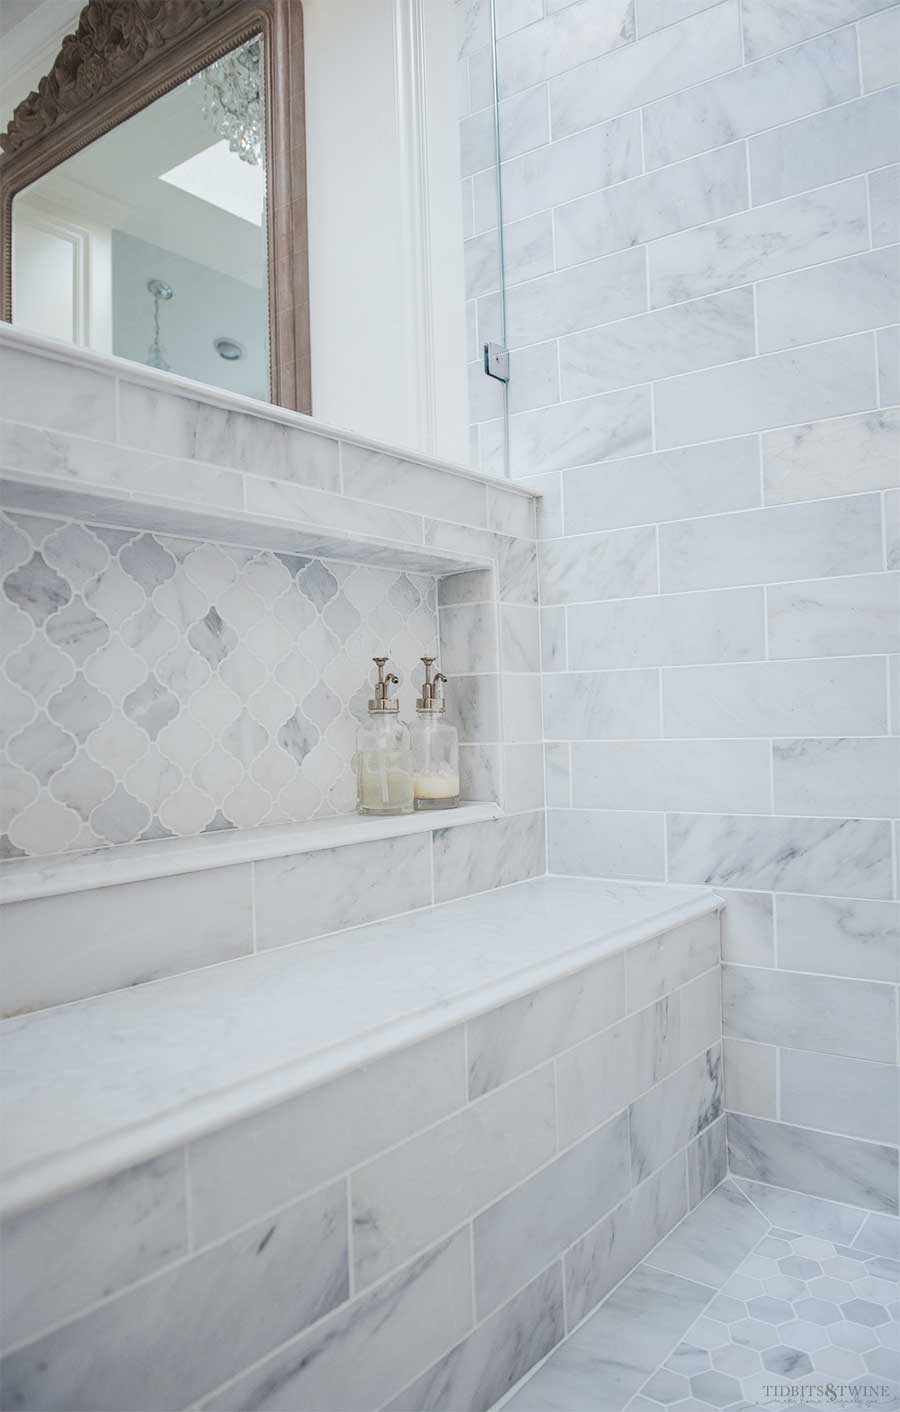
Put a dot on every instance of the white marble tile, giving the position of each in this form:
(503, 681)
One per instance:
(841, 1095)
(884, 201)
(675, 1112)
(510, 513)
(564, 170)
(478, 1371)
(58, 1259)
(578, 32)
(524, 1231)
(787, 86)
(212, 1315)
(826, 147)
(605, 1073)
(757, 244)
(839, 937)
(707, 1162)
(479, 772)
(843, 857)
(560, 303)
(607, 1253)
(521, 702)
(879, 45)
(698, 334)
(750, 1077)
(857, 1019)
(811, 1215)
(834, 696)
(527, 253)
(58, 395)
(654, 14)
(523, 777)
(607, 1360)
(473, 706)
(556, 776)
(834, 617)
(577, 433)
(603, 844)
(663, 963)
(676, 629)
(534, 377)
(892, 529)
(553, 639)
(705, 188)
(846, 777)
(176, 426)
(373, 475)
(774, 24)
(483, 856)
(747, 922)
(666, 485)
(837, 1168)
(677, 56)
(250, 1167)
(75, 458)
(415, 1194)
(286, 500)
(824, 380)
(621, 564)
(549, 510)
(520, 638)
(468, 638)
(888, 341)
(714, 1240)
(308, 894)
(810, 540)
(701, 1013)
(363, 1353)
(880, 1234)
(121, 936)
(827, 301)
(524, 124)
(832, 458)
(717, 775)
(519, 1036)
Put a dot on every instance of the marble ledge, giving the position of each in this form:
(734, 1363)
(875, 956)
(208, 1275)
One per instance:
(63, 873)
(285, 533)
(162, 381)
(246, 1034)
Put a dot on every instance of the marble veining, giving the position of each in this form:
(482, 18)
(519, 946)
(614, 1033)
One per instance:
(165, 687)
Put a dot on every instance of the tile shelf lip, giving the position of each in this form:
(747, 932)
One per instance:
(238, 402)
(157, 1124)
(63, 873)
(40, 494)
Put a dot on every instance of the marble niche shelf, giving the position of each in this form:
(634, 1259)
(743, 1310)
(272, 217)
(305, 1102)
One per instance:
(285, 533)
(61, 873)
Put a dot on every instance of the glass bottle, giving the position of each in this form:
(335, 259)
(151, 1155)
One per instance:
(435, 746)
(384, 778)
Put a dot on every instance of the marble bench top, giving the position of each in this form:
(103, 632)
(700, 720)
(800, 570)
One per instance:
(91, 1087)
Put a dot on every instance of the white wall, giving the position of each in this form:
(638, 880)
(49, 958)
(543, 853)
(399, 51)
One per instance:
(384, 340)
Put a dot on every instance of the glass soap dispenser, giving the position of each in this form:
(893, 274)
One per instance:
(435, 746)
(384, 774)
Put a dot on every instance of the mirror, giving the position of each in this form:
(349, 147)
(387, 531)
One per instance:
(142, 211)
(150, 243)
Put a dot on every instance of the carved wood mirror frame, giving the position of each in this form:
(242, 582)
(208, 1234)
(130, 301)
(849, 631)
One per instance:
(127, 53)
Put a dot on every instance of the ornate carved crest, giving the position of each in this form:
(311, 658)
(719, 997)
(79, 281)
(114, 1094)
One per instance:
(113, 39)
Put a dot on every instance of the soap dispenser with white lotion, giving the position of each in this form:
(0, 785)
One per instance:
(435, 747)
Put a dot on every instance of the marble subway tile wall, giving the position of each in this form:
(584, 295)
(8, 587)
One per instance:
(415, 1234)
(702, 208)
(156, 686)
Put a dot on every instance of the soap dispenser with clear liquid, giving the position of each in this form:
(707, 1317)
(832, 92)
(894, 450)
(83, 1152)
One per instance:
(384, 770)
(435, 746)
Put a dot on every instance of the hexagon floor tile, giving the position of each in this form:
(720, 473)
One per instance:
(745, 1351)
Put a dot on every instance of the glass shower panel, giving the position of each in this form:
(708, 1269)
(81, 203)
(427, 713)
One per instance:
(483, 232)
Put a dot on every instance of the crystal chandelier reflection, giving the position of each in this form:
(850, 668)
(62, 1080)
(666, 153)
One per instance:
(232, 100)
(156, 354)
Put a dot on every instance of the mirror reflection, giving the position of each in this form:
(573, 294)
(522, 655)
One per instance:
(151, 242)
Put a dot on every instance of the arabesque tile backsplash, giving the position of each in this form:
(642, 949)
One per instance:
(158, 685)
